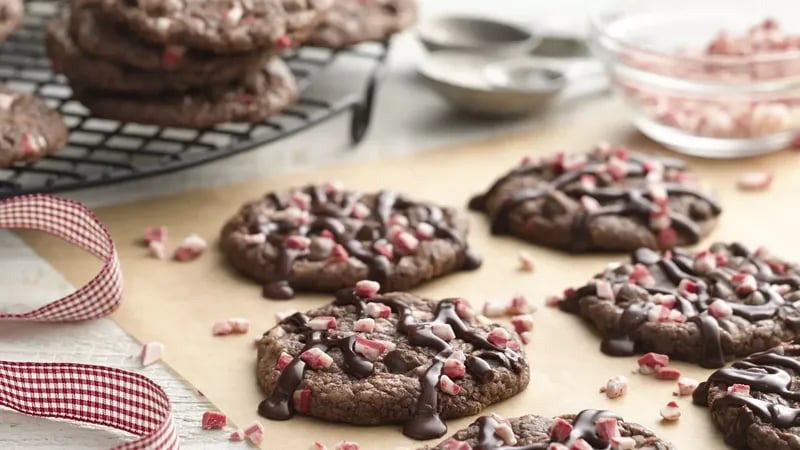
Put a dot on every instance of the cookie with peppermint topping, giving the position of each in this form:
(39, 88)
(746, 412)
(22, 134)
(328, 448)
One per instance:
(606, 199)
(255, 98)
(30, 129)
(371, 358)
(707, 307)
(589, 429)
(85, 70)
(322, 238)
(352, 21)
(107, 41)
(219, 26)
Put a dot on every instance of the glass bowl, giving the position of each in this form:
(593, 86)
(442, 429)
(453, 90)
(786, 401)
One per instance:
(705, 79)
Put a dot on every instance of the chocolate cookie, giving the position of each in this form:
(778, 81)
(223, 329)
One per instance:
(352, 21)
(221, 26)
(30, 129)
(588, 429)
(756, 402)
(11, 13)
(370, 359)
(113, 42)
(258, 97)
(89, 71)
(706, 308)
(324, 238)
(605, 200)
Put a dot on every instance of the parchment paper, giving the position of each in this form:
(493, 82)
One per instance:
(177, 303)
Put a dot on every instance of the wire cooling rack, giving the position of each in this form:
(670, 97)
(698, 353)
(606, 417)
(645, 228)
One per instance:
(103, 151)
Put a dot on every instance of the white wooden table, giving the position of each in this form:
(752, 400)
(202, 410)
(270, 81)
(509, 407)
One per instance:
(407, 118)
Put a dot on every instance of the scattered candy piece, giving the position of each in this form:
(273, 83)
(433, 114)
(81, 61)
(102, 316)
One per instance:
(367, 288)
(239, 325)
(156, 234)
(553, 301)
(560, 430)
(237, 436)
(301, 399)
(448, 386)
(754, 181)
(190, 249)
(406, 242)
(222, 328)
(157, 250)
(671, 412)
(317, 446)
(649, 362)
(316, 358)
(741, 389)
(454, 368)
(369, 349)
(623, 443)
(615, 387)
(604, 290)
(151, 352)
(378, 310)
(505, 432)
(280, 316)
(464, 308)
(425, 231)
(444, 331)
(322, 323)
(520, 305)
(213, 420)
(344, 445)
(720, 309)
(686, 386)
(499, 337)
(525, 262)
(283, 360)
(667, 373)
(366, 325)
(452, 444)
(255, 433)
(495, 308)
(607, 428)
(522, 323)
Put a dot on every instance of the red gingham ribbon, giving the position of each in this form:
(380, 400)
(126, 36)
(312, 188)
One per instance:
(77, 225)
(94, 394)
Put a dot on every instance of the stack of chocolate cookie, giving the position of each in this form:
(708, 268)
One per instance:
(182, 63)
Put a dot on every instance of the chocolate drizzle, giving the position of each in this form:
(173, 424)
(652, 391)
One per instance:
(767, 375)
(710, 286)
(629, 199)
(328, 212)
(584, 427)
(425, 422)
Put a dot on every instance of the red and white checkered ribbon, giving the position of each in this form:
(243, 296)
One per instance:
(93, 394)
(77, 225)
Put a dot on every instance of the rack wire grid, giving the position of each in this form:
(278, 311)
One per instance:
(101, 151)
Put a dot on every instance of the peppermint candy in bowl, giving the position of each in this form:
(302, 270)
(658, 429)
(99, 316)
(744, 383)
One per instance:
(706, 80)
